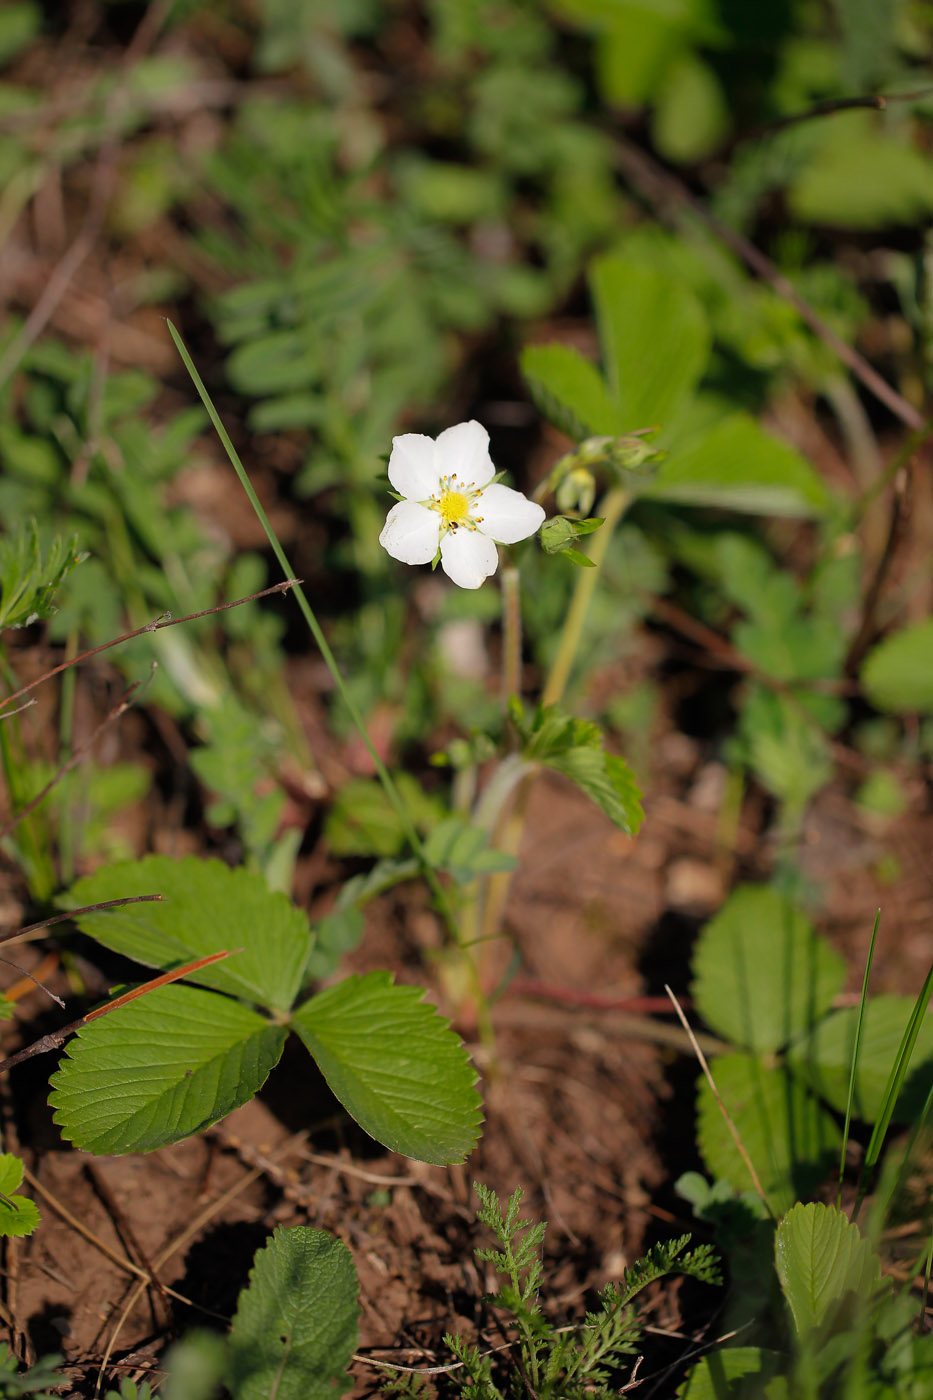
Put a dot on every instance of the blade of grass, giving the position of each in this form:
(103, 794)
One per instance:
(855, 1055)
(893, 1088)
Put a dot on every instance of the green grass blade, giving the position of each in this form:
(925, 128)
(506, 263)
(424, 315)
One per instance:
(330, 661)
(892, 1089)
(855, 1054)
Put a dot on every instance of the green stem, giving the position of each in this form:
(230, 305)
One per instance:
(510, 819)
(511, 637)
(612, 507)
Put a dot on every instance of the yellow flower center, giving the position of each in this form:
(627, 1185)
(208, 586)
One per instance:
(453, 503)
(453, 507)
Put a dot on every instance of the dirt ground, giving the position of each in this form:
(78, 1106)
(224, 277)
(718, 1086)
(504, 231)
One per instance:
(589, 1107)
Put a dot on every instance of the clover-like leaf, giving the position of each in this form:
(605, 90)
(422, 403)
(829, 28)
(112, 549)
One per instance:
(395, 1065)
(160, 1068)
(205, 907)
(296, 1323)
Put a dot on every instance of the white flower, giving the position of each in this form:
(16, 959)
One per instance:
(449, 502)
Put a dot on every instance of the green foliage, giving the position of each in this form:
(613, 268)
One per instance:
(29, 581)
(295, 1326)
(41, 1381)
(761, 976)
(168, 1064)
(146, 556)
(18, 1214)
(765, 980)
(561, 1363)
(824, 1263)
(575, 747)
(897, 674)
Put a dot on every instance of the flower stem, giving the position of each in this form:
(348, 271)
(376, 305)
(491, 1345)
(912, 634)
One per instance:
(511, 636)
(509, 823)
(612, 507)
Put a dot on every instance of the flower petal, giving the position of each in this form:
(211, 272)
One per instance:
(506, 515)
(464, 449)
(411, 533)
(411, 466)
(467, 557)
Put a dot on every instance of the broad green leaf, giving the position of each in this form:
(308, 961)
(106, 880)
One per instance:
(788, 1134)
(691, 116)
(821, 1258)
(607, 780)
(823, 1058)
(735, 465)
(161, 1068)
(295, 1328)
(863, 177)
(18, 1214)
(761, 974)
(897, 674)
(206, 907)
(654, 339)
(574, 747)
(395, 1065)
(570, 391)
(731, 1373)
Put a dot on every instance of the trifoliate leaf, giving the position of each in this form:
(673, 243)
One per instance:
(18, 1214)
(395, 1065)
(160, 1068)
(206, 906)
(822, 1259)
(295, 1328)
(761, 974)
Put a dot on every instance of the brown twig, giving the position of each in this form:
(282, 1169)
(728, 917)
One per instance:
(161, 1316)
(897, 474)
(704, 1066)
(665, 190)
(56, 1039)
(165, 620)
(73, 914)
(874, 102)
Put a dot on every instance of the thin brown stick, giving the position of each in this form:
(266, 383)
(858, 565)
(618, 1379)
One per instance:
(665, 190)
(161, 1315)
(704, 1066)
(166, 620)
(56, 1039)
(118, 710)
(875, 102)
(73, 914)
(121, 1261)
